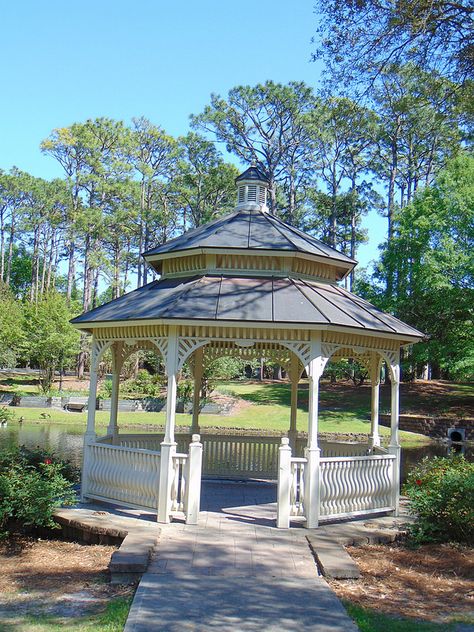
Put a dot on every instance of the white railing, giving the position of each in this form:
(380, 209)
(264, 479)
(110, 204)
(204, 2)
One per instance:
(240, 456)
(340, 486)
(351, 486)
(151, 441)
(129, 474)
(123, 475)
(297, 466)
(179, 482)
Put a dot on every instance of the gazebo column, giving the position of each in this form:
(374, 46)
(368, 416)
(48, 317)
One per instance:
(90, 434)
(168, 446)
(394, 447)
(117, 363)
(198, 373)
(294, 379)
(312, 451)
(374, 437)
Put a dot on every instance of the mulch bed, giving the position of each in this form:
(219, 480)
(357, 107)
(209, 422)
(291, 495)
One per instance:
(51, 577)
(434, 582)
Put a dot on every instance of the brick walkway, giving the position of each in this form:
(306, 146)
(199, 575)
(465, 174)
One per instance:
(235, 572)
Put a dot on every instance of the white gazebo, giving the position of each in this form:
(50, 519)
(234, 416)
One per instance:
(246, 284)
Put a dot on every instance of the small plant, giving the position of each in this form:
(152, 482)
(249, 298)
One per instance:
(6, 414)
(441, 494)
(106, 389)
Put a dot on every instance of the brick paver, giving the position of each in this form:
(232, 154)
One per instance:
(235, 572)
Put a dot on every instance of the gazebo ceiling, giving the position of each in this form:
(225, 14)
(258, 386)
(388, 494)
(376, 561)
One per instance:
(245, 299)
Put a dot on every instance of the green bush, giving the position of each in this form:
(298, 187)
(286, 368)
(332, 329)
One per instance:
(441, 494)
(32, 484)
(6, 414)
(143, 384)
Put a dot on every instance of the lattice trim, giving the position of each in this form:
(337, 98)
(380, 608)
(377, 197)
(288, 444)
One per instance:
(132, 345)
(186, 347)
(99, 347)
(301, 349)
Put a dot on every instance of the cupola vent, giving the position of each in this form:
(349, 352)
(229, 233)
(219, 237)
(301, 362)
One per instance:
(252, 190)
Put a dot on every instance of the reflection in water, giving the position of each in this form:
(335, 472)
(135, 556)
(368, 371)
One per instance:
(66, 442)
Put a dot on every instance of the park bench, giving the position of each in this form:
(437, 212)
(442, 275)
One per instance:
(75, 405)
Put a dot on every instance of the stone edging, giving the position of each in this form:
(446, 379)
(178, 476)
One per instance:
(139, 538)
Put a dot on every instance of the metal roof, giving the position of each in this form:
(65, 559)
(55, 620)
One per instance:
(252, 173)
(255, 230)
(248, 299)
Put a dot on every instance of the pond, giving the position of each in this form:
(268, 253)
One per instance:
(66, 442)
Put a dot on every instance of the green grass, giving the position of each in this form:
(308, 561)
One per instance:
(268, 409)
(111, 620)
(372, 621)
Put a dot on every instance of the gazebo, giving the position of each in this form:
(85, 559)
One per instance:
(246, 284)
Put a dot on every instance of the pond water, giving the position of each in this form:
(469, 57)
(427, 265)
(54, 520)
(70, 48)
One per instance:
(66, 442)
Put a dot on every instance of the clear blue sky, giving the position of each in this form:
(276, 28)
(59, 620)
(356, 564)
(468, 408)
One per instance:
(64, 62)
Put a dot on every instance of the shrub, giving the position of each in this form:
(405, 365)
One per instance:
(441, 494)
(32, 484)
(6, 414)
(185, 391)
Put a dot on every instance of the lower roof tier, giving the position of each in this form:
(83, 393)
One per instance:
(282, 301)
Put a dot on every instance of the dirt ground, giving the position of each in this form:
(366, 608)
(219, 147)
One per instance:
(433, 582)
(50, 577)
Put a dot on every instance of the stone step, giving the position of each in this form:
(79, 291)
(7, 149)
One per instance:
(332, 558)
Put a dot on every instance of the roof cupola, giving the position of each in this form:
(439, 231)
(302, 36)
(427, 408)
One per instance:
(252, 190)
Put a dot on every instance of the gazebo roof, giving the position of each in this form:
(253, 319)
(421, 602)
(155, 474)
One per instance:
(264, 300)
(251, 230)
(252, 173)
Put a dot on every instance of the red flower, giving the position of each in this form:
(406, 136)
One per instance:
(418, 481)
(47, 461)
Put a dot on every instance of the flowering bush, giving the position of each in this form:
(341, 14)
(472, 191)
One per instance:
(441, 494)
(32, 484)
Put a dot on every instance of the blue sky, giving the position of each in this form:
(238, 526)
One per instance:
(64, 62)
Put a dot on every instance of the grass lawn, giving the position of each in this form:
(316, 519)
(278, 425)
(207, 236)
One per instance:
(373, 621)
(264, 406)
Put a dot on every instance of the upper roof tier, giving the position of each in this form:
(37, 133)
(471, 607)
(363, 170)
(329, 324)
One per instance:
(252, 173)
(252, 232)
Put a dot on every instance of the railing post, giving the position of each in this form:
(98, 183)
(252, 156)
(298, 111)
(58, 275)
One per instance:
(192, 499)
(168, 450)
(396, 451)
(87, 460)
(312, 487)
(90, 434)
(284, 483)
(394, 447)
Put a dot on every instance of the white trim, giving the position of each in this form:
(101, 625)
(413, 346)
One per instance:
(262, 252)
(248, 325)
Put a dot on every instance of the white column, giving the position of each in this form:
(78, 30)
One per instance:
(284, 482)
(193, 485)
(112, 428)
(198, 372)
(374, 438)
(312, 452)
(294, 379)
(394, 447)
(168, 446)
(90, 435)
